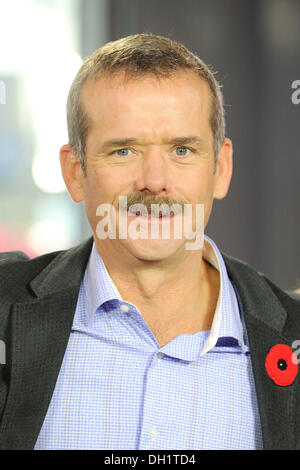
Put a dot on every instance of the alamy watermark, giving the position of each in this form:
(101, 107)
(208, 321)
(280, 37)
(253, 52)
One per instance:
(295, 345)
(2, 352)
(162, 220)
(295, 96)
(2, 92)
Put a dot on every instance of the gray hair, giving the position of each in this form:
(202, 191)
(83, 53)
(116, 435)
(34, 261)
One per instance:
(138, 55)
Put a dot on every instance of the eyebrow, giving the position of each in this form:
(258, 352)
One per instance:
(182, 140)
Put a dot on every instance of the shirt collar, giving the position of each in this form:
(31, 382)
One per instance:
(100, 288)
(227, 321)
(98, 284)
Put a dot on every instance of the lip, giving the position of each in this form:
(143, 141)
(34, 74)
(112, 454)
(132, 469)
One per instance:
(152, 219)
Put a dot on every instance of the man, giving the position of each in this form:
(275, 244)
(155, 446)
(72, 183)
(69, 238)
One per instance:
(127, 342)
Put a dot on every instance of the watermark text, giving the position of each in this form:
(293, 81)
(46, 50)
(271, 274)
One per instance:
(295, 96)
(2, 92)
(2, 352)
(164, 222)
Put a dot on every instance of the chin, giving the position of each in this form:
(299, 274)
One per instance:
(154, 250)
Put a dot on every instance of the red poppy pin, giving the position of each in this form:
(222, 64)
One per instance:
(282, 364)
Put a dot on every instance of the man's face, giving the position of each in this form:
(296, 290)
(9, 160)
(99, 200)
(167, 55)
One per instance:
(157, 163)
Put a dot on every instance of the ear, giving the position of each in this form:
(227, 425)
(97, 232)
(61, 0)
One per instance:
(72, 173)
(223, 171)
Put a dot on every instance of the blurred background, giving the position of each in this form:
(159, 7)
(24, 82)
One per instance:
(254, 46)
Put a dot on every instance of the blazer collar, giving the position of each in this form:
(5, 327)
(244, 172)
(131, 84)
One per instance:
(64, 271)
(267, 325)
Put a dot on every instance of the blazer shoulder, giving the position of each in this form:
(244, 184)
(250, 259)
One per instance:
(22, 278)
(17, 270)
(258, 283)
(237, 267)
(294, 295)
(9, 256)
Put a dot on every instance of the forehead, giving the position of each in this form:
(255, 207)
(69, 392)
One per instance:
(183, 96)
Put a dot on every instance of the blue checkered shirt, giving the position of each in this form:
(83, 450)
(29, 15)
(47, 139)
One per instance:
(118, 389)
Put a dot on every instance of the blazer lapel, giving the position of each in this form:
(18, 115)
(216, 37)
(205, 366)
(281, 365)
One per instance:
(266, 324)
(39, 333)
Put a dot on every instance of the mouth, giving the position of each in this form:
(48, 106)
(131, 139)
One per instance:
(160, 218)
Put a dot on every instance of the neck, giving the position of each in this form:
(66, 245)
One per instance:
(167, 288)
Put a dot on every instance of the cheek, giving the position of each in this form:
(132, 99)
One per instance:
(200, 186)
(201, 192)
(103, 186)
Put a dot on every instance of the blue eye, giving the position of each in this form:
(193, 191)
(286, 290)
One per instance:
(121, 152)
(183, 151)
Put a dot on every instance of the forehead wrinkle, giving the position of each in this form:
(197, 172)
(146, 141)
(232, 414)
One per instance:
(183, 140)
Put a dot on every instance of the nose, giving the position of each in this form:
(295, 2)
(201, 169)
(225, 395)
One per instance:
(153, 173)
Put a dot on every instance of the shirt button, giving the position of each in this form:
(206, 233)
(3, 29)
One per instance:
(124, 308)
(160, 355)
(153, 432)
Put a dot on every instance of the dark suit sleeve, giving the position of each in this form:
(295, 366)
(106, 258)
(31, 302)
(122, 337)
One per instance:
(9, 256)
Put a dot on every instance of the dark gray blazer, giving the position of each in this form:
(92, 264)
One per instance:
(38, 300)
(294, 295)
(9, 256)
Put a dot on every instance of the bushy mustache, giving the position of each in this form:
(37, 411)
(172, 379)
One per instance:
(161, 205)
